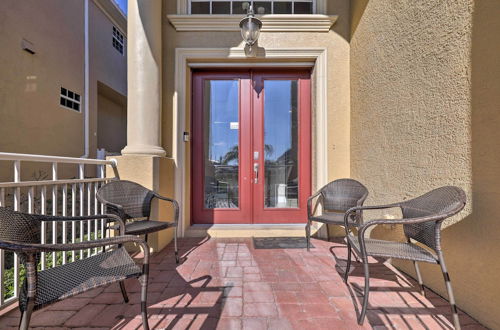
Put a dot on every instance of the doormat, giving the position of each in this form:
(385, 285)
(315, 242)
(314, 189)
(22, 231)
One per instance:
(280, 243)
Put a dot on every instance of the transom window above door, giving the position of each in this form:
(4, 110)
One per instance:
(234, 7)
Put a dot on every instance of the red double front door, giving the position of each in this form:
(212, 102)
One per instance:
(251, 155)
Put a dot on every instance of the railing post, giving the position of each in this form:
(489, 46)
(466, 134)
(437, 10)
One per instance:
(64, 224)
(43, 210)
(102, 170)
(89, 212)
(81, 175)
(73, 224)
(17, 207)
(54, 212)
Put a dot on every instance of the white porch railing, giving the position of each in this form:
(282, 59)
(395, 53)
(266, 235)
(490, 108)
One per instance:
(55, 194)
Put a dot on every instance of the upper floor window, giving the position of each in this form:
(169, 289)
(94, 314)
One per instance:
(118, 40)
(234, 7)
(70, 99)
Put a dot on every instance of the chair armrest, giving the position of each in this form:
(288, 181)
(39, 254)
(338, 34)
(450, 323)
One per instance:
(309, 203)
(112, 217)
(366, 225)
(29, 248)
(406, 221)
(361, 208)
(118, 207)
(173, 201)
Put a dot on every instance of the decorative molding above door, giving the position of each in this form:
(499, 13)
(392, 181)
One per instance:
(270, 23)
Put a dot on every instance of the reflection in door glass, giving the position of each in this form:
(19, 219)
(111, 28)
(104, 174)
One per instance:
(281, 144)
(221, 157)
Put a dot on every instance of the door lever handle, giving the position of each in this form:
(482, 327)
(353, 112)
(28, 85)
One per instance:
(255, 172)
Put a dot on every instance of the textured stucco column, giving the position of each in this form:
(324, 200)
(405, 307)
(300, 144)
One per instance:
(144, 78)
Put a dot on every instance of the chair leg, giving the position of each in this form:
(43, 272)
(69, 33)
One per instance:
(451, 297)
(419, 278)
(308, 235)
(26, 316)
(175, 247)
(21, 319)
(144, 292)
(30, 285)
(367, 292)
(348, 266)
(124, 292)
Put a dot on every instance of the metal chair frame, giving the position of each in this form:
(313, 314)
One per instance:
(422, 219)
(141, 209)
(347, 192)
(21, 234)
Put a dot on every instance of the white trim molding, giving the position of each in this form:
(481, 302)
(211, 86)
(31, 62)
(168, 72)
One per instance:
(185, 58)
(270, 23)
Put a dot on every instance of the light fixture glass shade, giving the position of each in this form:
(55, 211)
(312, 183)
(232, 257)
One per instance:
(250, 29)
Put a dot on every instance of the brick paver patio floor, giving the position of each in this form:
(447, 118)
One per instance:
(227, 284)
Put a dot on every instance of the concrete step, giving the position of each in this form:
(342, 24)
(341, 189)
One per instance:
(247, 230)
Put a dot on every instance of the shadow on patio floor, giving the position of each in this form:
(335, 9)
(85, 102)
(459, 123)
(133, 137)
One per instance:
(227, 284)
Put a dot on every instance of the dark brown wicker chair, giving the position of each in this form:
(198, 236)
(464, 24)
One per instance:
(422, 219)
(131, 201)
(336, 198)
(20, 233)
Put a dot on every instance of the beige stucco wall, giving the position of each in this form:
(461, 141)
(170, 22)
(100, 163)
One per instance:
(111, 120)
(336, 43)
(424, 112)
(31, 119)
(30, 84)
(107, 67)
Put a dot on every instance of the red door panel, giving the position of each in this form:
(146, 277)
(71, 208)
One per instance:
(281, 103)
(251, 147)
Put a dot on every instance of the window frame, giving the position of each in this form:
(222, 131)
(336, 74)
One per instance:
(73, 99)
(119, 39)
(188, 4)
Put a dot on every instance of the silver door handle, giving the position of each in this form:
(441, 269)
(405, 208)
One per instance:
(255, 172)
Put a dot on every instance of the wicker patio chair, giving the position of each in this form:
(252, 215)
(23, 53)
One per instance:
(336, 198)
(21, 232)
(131, 201)
(421, 220)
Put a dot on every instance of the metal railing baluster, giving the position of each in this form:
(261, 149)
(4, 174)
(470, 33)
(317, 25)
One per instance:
(43, 210)
(54, 212)
(89, 210)
(64, 224)
(96, 211)
(73, 223)
(17, 207)
(81, 175)
(37, 201)
(102, 175)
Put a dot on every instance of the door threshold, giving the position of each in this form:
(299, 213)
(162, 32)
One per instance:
(247, 230)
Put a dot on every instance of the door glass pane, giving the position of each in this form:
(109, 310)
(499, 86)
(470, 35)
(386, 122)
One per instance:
(221, 156)
(281, 144)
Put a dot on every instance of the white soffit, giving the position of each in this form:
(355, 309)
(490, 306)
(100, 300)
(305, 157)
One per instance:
(270, 23)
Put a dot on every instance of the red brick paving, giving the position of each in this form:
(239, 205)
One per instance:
(227, 284)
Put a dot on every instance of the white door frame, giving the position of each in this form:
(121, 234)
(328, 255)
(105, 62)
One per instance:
(187, 57)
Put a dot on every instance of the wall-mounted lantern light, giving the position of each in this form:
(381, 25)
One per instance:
(250, 28)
